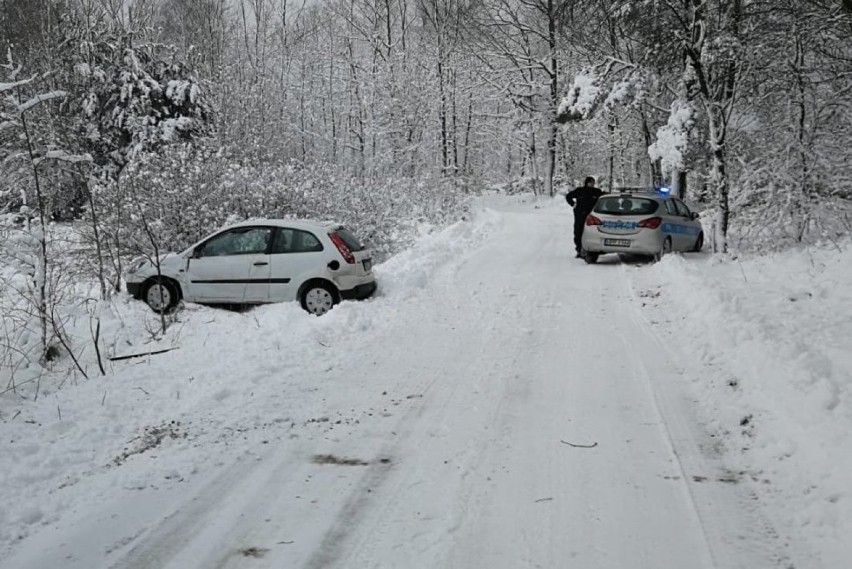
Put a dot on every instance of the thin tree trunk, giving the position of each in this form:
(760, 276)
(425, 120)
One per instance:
(534, 162)
(611, 161)
(442, 113)
(41, 269)
(654, 165)
(719, 177)
(455, 142)
(465, 164)
(554, 98)
(98, 247)
(802, 131)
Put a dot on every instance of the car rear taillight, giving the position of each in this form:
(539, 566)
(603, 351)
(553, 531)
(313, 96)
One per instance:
(650, 223)
(341, 246)
(592, 220)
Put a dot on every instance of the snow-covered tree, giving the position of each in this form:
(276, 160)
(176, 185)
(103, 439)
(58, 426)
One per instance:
(126, 97)
(24, 142)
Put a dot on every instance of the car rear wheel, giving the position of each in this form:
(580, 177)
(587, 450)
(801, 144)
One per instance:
(699, 243)
(318, 298)
(161, 295)
(667, 248)
(591, 258)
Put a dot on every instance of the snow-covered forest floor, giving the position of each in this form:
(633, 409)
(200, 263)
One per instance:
(424, 425)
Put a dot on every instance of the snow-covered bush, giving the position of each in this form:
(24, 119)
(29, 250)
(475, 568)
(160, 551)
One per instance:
(186, 191)
(32, 327)
(673, 138)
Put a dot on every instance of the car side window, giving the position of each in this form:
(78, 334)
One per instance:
(238, 241)
(309, 242)
(295, 241)
(682, 210)
(671, 208)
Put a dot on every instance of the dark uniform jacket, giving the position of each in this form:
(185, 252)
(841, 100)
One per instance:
(584, 198)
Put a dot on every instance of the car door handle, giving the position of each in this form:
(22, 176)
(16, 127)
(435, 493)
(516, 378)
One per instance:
(260, 264)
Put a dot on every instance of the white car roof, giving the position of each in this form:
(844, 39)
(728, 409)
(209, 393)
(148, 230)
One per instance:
(293, 223)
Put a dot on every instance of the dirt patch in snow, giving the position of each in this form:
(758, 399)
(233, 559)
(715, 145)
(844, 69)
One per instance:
(254, 552)
(150, 438)
(342, 461)
(332, 459)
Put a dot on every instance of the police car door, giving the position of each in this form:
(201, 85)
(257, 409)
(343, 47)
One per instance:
(688, 228)
(672, 224)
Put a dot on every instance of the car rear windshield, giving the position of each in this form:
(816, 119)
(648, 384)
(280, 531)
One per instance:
(626, 205)
(350, 239)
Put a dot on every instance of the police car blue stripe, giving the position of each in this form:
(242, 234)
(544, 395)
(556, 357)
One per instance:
(683, 229)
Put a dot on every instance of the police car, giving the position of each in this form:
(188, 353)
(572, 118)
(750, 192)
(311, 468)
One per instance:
(641, 222)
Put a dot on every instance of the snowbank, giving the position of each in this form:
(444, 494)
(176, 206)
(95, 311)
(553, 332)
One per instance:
(775, 331)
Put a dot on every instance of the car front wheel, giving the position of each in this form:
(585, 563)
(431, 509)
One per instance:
(699, 243)
(161, 295)
(318, 298)
(591, 258)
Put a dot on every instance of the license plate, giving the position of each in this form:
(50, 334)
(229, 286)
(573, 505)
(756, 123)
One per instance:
(368, 264)
(619, 224)
(617, 242)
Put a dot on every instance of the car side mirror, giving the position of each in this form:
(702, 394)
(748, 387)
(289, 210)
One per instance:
(694, 215)
(198, 252)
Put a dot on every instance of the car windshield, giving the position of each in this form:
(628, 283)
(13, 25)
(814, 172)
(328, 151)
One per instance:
(350, 240)
(626, 205)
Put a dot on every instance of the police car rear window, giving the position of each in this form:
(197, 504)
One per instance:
(626, 205)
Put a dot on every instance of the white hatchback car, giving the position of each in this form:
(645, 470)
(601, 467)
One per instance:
(646, 222)
(257, 262)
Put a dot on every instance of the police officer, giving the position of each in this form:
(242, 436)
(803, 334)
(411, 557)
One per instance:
(583, 200)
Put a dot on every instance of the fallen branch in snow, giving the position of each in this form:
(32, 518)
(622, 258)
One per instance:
(593, 445)
(745, 278)
(543, 500)
(14, 386)
(155, 352)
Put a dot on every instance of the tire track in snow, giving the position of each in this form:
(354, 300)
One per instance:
(378, 519)
(736, 533)
(363, 495)
(372, 519)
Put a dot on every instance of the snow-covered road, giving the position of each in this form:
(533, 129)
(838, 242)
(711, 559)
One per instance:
(501, 405)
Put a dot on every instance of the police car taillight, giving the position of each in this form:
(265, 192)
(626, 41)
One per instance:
(650, 223)
(592, 220)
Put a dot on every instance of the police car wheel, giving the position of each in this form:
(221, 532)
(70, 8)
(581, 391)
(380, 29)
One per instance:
(590, 258)
(699, 243)
(667, 248)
